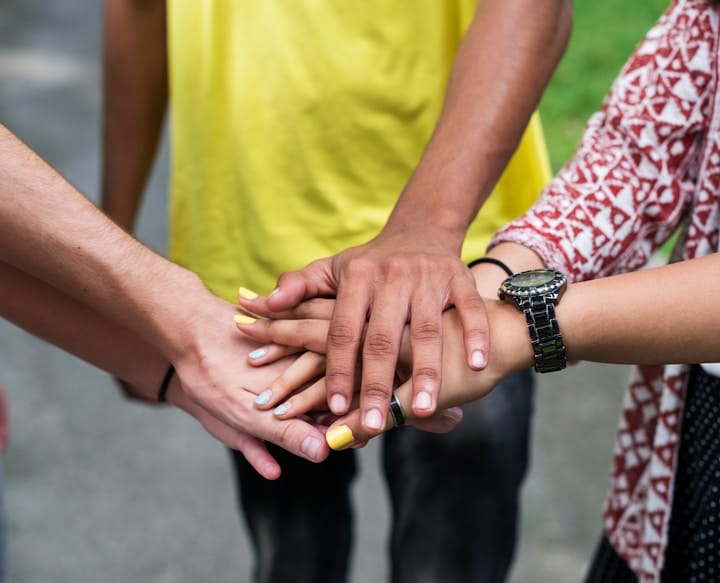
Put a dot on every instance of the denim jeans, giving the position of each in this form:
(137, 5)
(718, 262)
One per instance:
(454, 498)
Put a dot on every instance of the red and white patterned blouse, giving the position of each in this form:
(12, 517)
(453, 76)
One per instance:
(648, 163)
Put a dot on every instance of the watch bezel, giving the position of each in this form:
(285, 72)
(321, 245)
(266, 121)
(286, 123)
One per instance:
(509, 287)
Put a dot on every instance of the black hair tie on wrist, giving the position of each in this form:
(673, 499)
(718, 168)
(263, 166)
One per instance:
(162, 391)
(494, 261)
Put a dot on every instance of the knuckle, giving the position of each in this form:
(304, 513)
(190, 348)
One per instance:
(337, 375)
(376, 392)
(379, 343)
(473, 301)
(359, 268)
(280, 384)
(427, 372)
(476, 332)
(426, 263)
(426, 331)
(285, 433)
(395, 268)
(341, 335)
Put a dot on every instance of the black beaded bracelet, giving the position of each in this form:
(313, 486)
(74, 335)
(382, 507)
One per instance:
(162, 391)
(494, 261)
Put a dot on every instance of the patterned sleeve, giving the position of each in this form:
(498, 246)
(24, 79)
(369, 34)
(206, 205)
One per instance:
(632, 178)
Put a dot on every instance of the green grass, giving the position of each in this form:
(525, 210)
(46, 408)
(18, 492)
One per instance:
(604, 35)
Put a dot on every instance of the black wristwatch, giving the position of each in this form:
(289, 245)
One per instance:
(536, 293)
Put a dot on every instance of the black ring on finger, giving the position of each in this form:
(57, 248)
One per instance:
(396, 411)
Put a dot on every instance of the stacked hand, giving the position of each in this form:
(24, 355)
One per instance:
(302, 386)
(402, 276)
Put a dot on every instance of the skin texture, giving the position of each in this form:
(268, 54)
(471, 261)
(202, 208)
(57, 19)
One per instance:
(411, 271)
(651, 321)
(50, 233)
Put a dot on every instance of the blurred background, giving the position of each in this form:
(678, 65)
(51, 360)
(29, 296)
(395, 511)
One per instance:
(97, 489)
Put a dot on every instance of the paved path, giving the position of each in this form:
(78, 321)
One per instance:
(99, 490)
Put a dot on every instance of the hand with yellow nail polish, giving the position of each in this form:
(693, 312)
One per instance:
(300, 388)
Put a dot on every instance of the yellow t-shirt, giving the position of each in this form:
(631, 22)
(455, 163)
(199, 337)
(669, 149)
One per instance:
(296, 124)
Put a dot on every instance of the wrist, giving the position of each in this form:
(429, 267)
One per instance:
(446, 234)
(172, 322)
(510, 345)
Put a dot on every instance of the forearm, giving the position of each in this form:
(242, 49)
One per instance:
(135, 94)
(662, 315)
(51, 231)
(500, 72)
(51, 315)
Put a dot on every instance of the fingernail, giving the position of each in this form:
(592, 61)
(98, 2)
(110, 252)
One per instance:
(423, 400)
(246, 293)
(263, 398)
(257, 354)
(338, 403)
(339, 437)
(454, 414)
(269, 470)
(311, 447)
(276, 290)
(373, 419)
(281, 409)
(477, 359)
(243, 319)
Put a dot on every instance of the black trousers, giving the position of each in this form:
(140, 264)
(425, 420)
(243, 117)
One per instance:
(454, 498)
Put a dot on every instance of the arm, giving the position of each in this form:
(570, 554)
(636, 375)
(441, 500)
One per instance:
(645, 317)
(634, 177)
(412, 269)
(135, 94)
(49, 314)
(50, 231)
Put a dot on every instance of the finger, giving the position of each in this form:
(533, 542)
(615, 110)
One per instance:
(443, 421)
(253, 449)
(258, 456)
(314, 308)
(296, 436)
(473, 317)
(236, 409)
(381, 348)
(271, 353)
(344, 337)
(306, 368)
(322, 419)
(427, 350)
(349, 430)
(308, 334)
(310, 399)
(314, 280)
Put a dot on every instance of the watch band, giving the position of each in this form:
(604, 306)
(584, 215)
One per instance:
(545, 337)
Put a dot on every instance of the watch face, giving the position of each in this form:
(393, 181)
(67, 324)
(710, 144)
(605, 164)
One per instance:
(534, 278)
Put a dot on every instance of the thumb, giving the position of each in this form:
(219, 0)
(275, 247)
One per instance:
(314, 280)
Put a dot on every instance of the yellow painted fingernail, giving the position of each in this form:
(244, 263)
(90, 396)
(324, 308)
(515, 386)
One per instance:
(339, 437)
(246, 293)
(243, 319)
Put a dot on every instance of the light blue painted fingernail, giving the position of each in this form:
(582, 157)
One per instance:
(263, 398)
(257, 354)
(281, 409)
